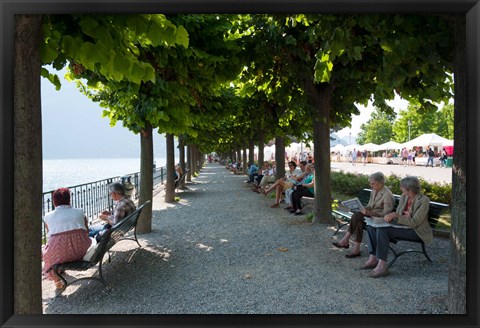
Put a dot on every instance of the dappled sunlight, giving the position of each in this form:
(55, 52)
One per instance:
(160, 252)
(204, 247)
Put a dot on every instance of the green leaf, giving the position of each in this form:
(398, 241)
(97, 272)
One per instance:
(88, 25)
(290, 40)
(182, 36)
(48, 52)
(53, 78)
(69, 45)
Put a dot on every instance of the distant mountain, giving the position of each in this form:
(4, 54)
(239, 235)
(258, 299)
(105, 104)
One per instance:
(335, 139)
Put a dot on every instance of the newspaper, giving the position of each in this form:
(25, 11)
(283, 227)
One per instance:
(378, 222)
(354, 205)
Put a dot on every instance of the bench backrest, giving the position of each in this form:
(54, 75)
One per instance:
(434, 212)
(364, 196)
(116, 232)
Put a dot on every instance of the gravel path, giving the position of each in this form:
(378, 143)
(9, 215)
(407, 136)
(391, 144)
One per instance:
(223, 250)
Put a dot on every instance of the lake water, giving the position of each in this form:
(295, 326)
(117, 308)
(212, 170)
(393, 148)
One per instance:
(70, 172)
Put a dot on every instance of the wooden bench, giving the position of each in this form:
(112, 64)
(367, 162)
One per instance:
(342, 217)
(112, 236)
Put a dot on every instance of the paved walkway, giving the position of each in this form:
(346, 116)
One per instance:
(433, 174)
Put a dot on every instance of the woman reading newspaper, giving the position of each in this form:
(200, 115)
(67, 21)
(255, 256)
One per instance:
(380, 203)
(412, 212)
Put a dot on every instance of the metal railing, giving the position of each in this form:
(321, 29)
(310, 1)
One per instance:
(93, 197)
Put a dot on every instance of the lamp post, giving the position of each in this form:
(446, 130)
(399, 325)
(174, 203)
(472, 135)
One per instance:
(350, 134)
(409, 125)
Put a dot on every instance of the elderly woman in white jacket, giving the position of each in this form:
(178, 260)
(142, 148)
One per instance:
(412, 211)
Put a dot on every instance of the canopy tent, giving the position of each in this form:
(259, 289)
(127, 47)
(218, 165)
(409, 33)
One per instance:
(449, 143)
(337, 147)
(427, 139)
(369, 147)
(269, 152)
(351, 147)
(390, 145)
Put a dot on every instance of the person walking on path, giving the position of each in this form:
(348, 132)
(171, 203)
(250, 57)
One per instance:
(354, 156)
(405, 156)
(431, 156)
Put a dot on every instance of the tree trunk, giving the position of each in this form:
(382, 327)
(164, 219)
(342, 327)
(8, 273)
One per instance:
(321, 95)
(27, 159)
(195, 159)
(181, 146)
(251, 151)
(189, 163)
(170, 187)
(244, 159)
(458, 239)
(144, 224)
(279, 157)
(261, 153)
(239, 154)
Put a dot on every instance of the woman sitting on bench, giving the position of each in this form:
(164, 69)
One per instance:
(381, 202)
(286, 182)
(67, 233)
(412, 211)
(306, 188)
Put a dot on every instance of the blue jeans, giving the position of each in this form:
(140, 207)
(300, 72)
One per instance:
(96, 229)
(430, 160)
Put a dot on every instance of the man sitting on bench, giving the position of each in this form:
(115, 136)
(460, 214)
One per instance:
(123, 206)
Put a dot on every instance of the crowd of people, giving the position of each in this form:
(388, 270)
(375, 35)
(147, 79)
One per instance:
(68, 234)
(407, 156)
(298, 182)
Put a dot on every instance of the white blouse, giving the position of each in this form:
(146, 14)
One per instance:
(64, 218)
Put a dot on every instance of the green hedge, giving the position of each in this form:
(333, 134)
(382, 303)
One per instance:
(350, 183)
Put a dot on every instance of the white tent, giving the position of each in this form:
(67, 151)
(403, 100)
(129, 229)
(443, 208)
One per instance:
(269, 152)
(427, 139)
(448, 143)
(351, 147)
(337, 147)
(390, 145)
(369, 147)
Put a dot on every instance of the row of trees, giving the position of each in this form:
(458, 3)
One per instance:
(227, 82)
(383, 127)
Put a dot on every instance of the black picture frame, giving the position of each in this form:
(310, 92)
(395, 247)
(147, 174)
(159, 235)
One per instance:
(469, 8)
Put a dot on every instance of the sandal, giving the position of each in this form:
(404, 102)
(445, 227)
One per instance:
(368, 266)
(274, 205)
(60, 285)
(351, 255)
(375, 274)
(337, 244)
